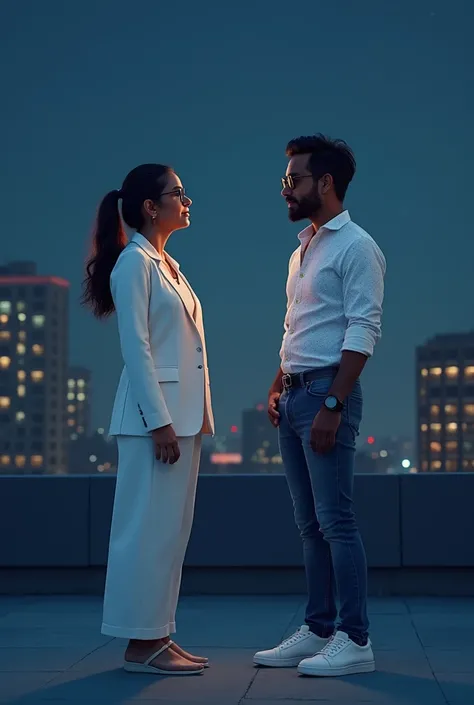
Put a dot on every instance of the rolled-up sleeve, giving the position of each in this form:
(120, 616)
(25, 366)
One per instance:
(363, 272)
(130, 286)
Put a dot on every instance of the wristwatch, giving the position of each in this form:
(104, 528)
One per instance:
(332, 403)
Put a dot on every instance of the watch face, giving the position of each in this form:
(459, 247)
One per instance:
(331, 402)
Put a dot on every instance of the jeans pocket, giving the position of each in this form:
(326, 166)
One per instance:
(319, 387)
(354, 408)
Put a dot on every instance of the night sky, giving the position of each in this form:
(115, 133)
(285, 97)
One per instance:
(91, 91)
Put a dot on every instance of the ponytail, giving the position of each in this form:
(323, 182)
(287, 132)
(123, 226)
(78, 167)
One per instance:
(109, 240)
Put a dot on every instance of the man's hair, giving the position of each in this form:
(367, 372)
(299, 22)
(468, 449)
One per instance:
(328, 156)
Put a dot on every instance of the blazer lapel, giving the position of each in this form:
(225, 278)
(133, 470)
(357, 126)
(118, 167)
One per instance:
(177, 287)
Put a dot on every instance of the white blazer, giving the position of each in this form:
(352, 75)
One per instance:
(165, 379)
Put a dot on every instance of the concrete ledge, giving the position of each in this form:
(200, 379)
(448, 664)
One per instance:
(383, 582)
(44, 521)
(437, 520)
(241, 521)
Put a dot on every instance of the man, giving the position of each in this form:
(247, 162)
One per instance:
(333, 320)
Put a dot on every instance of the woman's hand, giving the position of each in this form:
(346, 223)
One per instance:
(166, 444)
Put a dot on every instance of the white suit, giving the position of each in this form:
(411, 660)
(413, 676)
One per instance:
(165, 380)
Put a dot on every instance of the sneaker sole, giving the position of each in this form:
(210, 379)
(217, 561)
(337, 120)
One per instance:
(278, 663)
(367, 667)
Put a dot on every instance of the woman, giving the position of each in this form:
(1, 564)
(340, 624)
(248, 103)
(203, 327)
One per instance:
(162, 408)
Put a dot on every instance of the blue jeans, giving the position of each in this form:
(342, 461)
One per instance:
(321, 488)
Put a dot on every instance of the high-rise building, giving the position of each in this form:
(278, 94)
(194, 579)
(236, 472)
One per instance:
(33, 370)
(78, 402)
(260, 451)
(445, 400)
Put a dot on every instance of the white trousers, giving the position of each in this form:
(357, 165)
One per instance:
(151, 525)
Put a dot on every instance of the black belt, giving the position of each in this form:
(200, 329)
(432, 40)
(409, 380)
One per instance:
(301, 379)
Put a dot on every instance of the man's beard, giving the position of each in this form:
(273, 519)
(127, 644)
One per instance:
(305, 208)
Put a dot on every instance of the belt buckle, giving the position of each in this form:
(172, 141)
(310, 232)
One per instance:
(287, 381)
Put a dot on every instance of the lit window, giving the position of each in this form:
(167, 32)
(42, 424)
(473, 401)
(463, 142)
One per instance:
(5, 307)
(436, 371)
(37, 349)
(22, 317)
(38, 320)
(424, 372)
(71, 396)
(435, 427)
(451, 409)
(70, 423)
(37, 375)
(73, 436)
(93, 458)
(469, 371)
(435, 446)
(80, 429)
(81, 396)
(71, 383)
(4, 362)
(424, 427)
(71, 408)
(3, 318)
(436, 465)
(452, 372)
(20, 461)
(434, 409)
(21, 348)
(21, 375)
(20, 306)
(36, 461)
(452, 427)
(452, 445)
(4, 402)
(20, 416)
(451, 465)
(5, 460)
(21, 390)
(81, 383)
(469, 409)
(5, 335)
(22, 335)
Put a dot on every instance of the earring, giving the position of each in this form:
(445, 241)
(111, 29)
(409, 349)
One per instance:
(153, 218)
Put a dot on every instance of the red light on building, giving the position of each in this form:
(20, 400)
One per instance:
(371, 440)
(233, 429)
(260, 407)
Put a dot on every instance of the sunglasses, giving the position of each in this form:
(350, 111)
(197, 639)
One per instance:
(291, 181)
(178, 191)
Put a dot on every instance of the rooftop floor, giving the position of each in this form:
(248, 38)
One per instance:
(51, 650)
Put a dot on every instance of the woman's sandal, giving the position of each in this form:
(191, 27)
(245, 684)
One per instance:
(146, 667)
(201, 660)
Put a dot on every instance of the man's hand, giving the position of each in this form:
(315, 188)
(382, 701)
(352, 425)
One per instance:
(324, 429)
(273, 413)
(166, 444)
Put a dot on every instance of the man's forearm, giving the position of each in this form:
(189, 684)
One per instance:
(277, 384)
(350, 369)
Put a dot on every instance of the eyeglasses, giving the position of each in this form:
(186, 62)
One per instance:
(291, 181)
(178, 191)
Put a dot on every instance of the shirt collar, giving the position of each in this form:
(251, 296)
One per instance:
(334, 224)
(146, 245)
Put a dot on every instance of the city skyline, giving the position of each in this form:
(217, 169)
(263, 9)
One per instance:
(222, 117)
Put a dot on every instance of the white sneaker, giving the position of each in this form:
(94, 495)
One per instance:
(289, 653)
(340, 657)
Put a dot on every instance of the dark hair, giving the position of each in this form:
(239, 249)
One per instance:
(328, 156)
(109, 239)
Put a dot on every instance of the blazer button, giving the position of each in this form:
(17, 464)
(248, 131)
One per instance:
(199, 367)
(199, 349)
